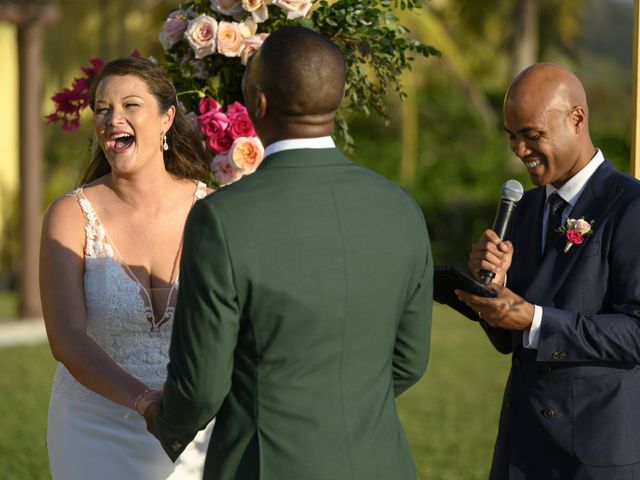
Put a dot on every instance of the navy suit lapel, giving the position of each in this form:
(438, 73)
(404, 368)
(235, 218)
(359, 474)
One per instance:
(599, 195)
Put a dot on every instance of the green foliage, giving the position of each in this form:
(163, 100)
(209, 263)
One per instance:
(376, 48)
(450, 416)
(462, 162)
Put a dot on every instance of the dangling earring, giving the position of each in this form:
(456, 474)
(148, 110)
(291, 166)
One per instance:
(165, 145)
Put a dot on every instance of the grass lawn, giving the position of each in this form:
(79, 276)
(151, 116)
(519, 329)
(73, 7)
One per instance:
(8, 304)
(450, 416)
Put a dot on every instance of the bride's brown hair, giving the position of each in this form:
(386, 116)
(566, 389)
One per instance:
(186, 156)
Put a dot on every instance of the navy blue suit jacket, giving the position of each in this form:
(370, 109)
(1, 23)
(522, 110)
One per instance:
(571, 408)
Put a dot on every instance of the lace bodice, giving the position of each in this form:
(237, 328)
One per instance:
(120, 316)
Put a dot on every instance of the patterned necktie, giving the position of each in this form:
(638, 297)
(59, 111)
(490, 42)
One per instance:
(554, 220)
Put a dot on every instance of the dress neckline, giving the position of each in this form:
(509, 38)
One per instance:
(200, 192)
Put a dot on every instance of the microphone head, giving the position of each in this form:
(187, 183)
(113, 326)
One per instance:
(512, 190)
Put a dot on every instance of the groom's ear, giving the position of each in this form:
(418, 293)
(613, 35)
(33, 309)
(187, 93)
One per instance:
(260, 107)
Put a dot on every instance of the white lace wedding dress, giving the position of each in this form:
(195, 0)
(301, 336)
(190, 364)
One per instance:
(90, 437)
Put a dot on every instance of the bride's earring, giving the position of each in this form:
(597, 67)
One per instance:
(165, 145)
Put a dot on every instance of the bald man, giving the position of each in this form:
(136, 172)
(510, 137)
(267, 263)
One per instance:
(305, 295)
(568, 307)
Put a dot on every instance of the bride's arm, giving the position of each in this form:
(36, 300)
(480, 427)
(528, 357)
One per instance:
(64, 311)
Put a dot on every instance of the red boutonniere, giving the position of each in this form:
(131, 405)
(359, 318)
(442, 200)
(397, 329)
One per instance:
(575, 231)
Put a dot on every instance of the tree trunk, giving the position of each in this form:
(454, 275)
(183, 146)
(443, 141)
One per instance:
(526, 40)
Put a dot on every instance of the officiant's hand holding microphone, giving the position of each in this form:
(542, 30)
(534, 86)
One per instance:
(489, 261)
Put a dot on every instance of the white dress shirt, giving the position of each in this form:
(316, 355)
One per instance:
(295, 143)
(570, 193)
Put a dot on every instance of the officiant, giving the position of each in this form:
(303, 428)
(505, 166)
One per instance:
(568, 303)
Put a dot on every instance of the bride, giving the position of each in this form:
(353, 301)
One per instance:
(108, 277)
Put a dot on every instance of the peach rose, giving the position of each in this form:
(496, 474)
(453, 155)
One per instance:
(231, 8)
(294, 8)
(230, 40)
(201, 34)
(246, 154)
(251, 45)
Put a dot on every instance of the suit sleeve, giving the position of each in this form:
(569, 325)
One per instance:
(413, 336)
(205, 333)
(613, 336)
(500, 338)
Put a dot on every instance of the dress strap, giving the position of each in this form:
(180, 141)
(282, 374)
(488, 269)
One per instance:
(95, 244)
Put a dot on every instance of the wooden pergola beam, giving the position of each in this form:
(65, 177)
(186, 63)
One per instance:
(31, 18)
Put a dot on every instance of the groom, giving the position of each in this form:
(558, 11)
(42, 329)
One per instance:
(305, 295)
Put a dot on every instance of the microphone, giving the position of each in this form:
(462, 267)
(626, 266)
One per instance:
(510, 194)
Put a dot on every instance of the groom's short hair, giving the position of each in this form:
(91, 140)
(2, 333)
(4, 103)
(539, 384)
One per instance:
(301, 72)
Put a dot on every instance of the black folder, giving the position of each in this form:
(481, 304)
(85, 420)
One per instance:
(446, 279)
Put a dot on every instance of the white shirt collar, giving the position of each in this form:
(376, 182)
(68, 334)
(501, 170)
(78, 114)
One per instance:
(296, 143)
(571, 191)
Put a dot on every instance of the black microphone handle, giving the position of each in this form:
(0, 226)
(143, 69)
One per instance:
(501, 227)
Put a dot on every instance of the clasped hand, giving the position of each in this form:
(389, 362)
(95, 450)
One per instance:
(507, 310)
(151, 410)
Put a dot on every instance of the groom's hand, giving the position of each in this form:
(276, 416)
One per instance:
(150, 415)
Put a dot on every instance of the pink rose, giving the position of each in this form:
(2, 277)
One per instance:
(208, 105)
(173, 29)
(220, 143)
(251, 46)
(224, 171)
(213, 125)
(246, 153)
(201, 34)
(294, 8)
(574, 236)
(231, 8)
(234, 109)
(230, 40)
(213, 121)
(240, 123)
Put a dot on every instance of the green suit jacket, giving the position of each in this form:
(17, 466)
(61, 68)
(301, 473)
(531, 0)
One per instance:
(304, 309)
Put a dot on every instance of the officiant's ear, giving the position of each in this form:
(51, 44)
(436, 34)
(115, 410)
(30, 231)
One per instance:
(578, 118)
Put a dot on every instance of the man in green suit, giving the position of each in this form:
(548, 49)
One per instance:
(305, 295)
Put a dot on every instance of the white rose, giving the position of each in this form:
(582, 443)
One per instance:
(258, 9)
(582, 226)
(225, 171)
(248, 28)
(230, 39)
(231, 8)
(294, 8)
(201, 33)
